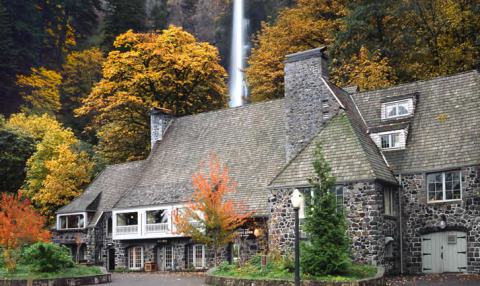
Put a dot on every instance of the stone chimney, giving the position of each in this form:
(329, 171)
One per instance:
(160, 120)
(309, 102)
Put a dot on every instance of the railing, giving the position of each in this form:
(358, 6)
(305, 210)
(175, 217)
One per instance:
(127, 229)
(157, 227)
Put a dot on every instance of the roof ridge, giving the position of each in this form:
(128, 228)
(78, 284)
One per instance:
(418, 81)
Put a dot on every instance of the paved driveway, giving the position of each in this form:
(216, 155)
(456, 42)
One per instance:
(435, 280)
(157, 279)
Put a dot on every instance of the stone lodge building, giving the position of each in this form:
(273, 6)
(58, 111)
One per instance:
(406, 159)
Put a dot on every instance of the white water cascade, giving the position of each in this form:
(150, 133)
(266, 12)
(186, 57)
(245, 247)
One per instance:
(237, 86)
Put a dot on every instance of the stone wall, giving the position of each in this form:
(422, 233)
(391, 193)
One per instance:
(368, 226)
(420, 217)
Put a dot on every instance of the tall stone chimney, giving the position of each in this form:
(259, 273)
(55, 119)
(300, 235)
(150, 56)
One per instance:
(160, 120)
(309, 102)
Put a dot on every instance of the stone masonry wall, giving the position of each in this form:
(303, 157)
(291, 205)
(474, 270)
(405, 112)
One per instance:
(420, 217)
(309, 103)
(363, 202)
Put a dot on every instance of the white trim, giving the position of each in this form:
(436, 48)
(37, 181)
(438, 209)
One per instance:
(129, 258)
(85, 220)
(98, 219)
(358, 110)
(402, 140)
(331, 91)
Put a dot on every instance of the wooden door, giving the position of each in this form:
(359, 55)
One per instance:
(444, 252)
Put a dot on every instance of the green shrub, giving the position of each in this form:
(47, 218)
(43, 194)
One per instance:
(48, 257)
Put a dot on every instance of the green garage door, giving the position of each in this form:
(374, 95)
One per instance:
(444, 252)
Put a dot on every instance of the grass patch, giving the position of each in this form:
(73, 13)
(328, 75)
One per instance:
(282, 269)
(24, 272)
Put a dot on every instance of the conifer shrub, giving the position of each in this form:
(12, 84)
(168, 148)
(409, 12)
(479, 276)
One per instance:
(48, 257)
(327, 250)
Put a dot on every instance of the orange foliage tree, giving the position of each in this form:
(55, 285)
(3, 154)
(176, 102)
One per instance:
(213, 215)
(19, 225)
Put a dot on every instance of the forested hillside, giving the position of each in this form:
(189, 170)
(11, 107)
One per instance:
(78, 78)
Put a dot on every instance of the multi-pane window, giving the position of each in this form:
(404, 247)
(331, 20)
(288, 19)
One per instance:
(339, 196)
(71, 221)
(157, 216)
(168, 257)
(444, 186)
(196, 256)
(390, 140)
(389, 202)
(135, 258)
(397, 108)
(109, 227)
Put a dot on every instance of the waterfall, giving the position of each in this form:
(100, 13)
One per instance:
(237, 86)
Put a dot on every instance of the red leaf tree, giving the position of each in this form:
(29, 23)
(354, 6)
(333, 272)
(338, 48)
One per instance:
(20, 224)
(214, 215)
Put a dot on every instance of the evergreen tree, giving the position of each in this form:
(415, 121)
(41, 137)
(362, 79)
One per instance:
(121, 16)
(327, 251)
(7, 55)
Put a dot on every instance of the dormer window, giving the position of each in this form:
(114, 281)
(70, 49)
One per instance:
(390, 140)
(397, 109)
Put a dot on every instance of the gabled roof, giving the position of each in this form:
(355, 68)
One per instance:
(445, 129)
(343, 150)
(250, 140)
(106, 189)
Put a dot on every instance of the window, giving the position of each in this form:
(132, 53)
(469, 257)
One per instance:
(196, 256)
(157, 216)
(398, 108)
(444, 186)
(339, 196)
(71, 221)
(135, 258)
(390, 140)
(389, 202)
(168, 251)
(124, 219)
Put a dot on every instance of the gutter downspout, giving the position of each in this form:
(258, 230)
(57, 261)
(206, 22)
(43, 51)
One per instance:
(400, 189)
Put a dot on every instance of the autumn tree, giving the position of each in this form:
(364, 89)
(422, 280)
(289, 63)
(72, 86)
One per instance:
(366, 70)
(19, 224)
(309, 24)
(169, 70)
(57, 171)
(40, 91)
(213, 216)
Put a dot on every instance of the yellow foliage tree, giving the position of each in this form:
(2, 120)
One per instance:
(169, 70)
(309, 24)
(40, 91)
(56, 172)
(442, 37)
(366, 70)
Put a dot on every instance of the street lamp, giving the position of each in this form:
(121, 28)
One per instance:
(297, 201)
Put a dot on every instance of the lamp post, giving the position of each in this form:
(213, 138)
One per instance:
(297, 200)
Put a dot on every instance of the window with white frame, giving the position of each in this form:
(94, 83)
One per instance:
(168, 255)
(135, 258)
(390, 140)
(389, 202)
(127, 219)
(196, 256)
(397, 109)
(444, 186)
(74, 221)
(339, 196)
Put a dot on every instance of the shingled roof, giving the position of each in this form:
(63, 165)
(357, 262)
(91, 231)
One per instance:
(106, 189)
(250, 140)
(445, 129)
